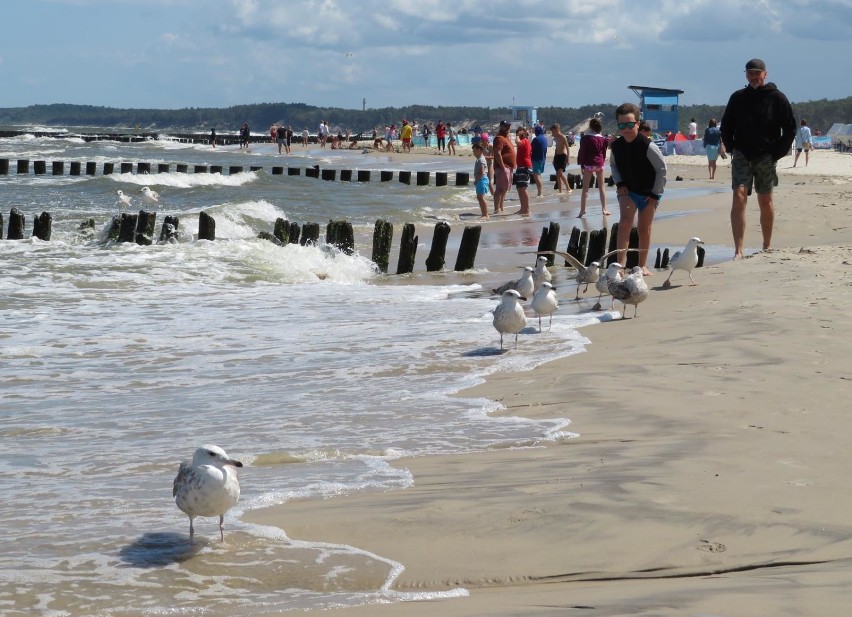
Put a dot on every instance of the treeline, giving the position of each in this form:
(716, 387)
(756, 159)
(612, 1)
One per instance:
(820, 114)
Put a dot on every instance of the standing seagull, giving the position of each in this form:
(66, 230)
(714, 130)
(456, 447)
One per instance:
(545, 302)
(612, 273)
(207, 486)
(123, 201)
(151, 197)
(686, 259)
(524, 285)
(541, 273)
(509, 316)
(585, 274)
(632, 289)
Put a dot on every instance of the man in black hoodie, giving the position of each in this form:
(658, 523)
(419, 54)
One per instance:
(758, 127)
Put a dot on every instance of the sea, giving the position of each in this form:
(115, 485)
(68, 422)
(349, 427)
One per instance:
(304, 362)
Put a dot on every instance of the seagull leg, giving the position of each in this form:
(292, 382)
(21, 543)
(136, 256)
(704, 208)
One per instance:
(539, 324)
(191, 533)
(667, 284)
(501, 341)
(550, 323)
(692, 279)
(577, 297)
(222, 526)
(516, 340)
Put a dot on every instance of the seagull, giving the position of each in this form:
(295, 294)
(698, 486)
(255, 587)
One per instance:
(585, 274)
(524, 285)
(124, 201)
(612, 273)
(632, 289)
(509, 316)
(207, 486)
(545, 302)
(686, 259)
(541, 273)
(151, 197)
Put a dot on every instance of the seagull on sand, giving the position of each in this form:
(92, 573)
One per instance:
(151, 197)
(123, 201)
(207, 486)
(525, 286)
(509, 315)
(612, 273)
(687, 259)
(632, 289)
(545, 302)
(541, 273)
(585, 274)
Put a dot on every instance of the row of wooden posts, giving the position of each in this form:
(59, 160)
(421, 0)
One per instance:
(586, 247)
(421, 178)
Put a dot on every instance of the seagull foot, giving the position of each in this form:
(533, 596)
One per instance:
(667, 284)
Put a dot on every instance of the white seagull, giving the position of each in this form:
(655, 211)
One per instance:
(612, 273)
(207, 486)
(541, 273)
(151, 197)
(509, 315)
(585, 274)
(687, 259)
(545, 302)
(632, 289)
(524, 285)
(123, 201)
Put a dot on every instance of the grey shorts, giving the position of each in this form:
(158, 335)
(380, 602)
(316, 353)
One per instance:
(759, 173)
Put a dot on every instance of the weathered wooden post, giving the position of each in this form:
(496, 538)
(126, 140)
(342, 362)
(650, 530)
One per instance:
(664, 260)
(143, 168)
(462, 178)
(109, 168)
(23, 166)
(613, 241)
(340, 234)
(278, 171)
(182, 168)
(658, 259)
(75, 168)
(407, 250)
(169, 231)
(281, 230)
(127, 228)
(162, 168)
(405, 177)
(312, 172)
(216, 169)
(329, 174)
(200, 169)
(573, 246)
(17, 221)
(363, 175)
(145, 228)
(382, 238)
(467, 249)
(206, 226)
(4, 167)
(423, 178)
(549, 240)
(701, 253)
(385, 175)
(235, 169)
(91, 168)
(436, 260)
(632, 258)
(295, 232)
(310, 234)
(597, 245)
(346, 175)
(126, 168)
(58, 168)
(1, 225)
(441, 178)
(294, 171)
(43, 226)
(40, 168)
(583, 246)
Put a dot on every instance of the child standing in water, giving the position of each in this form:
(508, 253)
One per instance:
(480, 176)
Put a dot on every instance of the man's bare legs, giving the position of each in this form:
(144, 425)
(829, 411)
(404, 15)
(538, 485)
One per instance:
(738, 219)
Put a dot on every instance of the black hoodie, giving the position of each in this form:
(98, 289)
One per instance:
(759, 121)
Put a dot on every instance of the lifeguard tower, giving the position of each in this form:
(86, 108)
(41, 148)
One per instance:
(658, 107)
(523, 116)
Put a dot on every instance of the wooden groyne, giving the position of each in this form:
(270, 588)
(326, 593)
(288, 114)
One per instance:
(139, 227)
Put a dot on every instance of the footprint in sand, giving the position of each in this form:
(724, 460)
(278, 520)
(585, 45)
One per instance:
(711, 547)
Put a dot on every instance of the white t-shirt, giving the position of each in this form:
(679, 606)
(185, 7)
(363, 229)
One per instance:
(693, 128)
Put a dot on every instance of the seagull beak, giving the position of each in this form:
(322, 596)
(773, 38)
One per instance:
(234, 463)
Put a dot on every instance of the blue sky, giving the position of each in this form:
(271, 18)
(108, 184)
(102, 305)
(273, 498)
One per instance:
(217, 53)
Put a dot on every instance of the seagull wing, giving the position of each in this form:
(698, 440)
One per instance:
(182, 470)
(566, 256)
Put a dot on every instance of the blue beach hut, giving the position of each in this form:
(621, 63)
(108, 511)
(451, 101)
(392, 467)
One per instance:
(658, 107)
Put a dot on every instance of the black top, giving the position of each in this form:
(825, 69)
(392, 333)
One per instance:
(759, 121)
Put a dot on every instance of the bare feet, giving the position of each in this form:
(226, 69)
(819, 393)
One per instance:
(738, 256)
(522, 213)
(606, 212)
(581, 215)
(646, 272)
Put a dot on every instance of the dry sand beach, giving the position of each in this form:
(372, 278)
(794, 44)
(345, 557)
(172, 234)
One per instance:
(709, 477)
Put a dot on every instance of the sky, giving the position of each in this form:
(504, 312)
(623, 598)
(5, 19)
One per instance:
(172, 54)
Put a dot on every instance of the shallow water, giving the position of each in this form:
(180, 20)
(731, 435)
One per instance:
(315, 370)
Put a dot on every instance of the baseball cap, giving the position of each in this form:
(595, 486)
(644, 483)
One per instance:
(505, 123)
(755, 64)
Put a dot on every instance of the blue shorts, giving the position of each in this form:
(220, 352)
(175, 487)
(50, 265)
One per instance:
(538, 167)
(482, 186)
(641, 201)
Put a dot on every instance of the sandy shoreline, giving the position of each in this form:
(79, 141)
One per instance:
(709, 476)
